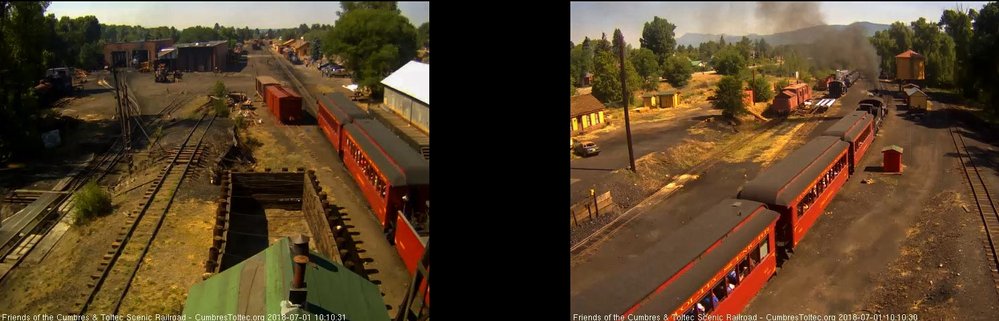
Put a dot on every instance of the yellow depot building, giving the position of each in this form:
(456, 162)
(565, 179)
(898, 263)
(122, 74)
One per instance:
(587, 113)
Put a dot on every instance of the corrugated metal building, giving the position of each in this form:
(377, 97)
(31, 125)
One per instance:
(407, 93)
(202, 56)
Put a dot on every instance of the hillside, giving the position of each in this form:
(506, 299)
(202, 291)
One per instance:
(803, 35)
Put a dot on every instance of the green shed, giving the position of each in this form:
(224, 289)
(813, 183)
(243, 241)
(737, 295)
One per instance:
(259, 284)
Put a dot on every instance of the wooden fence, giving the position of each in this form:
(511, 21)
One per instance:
(591, 208)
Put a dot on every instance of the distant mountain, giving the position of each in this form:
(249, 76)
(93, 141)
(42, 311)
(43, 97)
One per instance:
(803, 35)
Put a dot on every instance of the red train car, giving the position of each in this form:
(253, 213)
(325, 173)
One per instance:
(336, 110)
(785, 102)
(263, 82)
(801, 91)
(409, 243)
(856, 128)
(392, 175)
(711, 266)
(800, 186)
(284, 103)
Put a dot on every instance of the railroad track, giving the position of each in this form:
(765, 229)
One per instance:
(983, 201)
(113, 278)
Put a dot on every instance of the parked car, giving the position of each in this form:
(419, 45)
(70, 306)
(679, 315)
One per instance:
(587, 149)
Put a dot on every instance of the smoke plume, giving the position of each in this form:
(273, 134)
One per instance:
(830, 47)
(788, 16)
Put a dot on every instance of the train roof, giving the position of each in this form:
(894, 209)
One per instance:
(400, 163)
(267, 80)
(876, 101)
(617, 292)
(783, 182)
(850, 126)
(342, 107)
(701, 271)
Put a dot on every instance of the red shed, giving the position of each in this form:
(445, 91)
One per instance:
(285, 104)
(747, 97)
(892, 159)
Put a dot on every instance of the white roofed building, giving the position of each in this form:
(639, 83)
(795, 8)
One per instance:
(407, 93)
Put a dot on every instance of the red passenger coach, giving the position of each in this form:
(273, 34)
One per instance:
(711, 266)
(856, 128)
(387, 170)
(336, 110)
(800, 186)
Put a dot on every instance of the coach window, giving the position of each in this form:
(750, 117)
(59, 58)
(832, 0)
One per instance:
(719, 290)
(755, 255)
(706, 303)
(744, 269)
(765, 246)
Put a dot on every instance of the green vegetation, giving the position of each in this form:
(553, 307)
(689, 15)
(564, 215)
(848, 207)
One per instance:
(761, 90)
(677, 71)
(374, 39)
(729, 97)
(219, 103)
(91, 201)
(729, 62)
(658, 37)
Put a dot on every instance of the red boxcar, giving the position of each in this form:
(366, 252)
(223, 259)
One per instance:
(800, 186)
(336, 110)
(387, 170)
(856, 128)
(785, 102)
(726, 252)
(285, 104)
(263, 82)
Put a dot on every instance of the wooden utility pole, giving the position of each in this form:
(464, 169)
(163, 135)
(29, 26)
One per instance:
(625, 97)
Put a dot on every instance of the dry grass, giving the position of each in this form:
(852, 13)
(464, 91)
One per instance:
(271, 153)
(688, 153)
(175, 260)
(780, 146)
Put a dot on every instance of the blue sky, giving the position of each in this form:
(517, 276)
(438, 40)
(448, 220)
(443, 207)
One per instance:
(238, 14)
(733, 18)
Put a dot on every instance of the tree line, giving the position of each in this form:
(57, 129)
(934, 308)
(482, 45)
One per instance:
(960, 50)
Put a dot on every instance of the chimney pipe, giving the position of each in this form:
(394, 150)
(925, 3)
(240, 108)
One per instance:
(300, 245)
(297, 294)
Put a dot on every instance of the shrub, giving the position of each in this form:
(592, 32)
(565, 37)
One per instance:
(91, 201)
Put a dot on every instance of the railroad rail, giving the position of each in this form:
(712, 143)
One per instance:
(121, 262)
(983, 200)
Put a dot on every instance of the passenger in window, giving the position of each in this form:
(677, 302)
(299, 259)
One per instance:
(731, 287)
(732, 277)
(714, 301)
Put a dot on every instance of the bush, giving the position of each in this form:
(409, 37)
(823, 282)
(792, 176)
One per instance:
(729, 62)
(761, 90)
(677, 71)
(91, 201)
(221, 109)
(729, 96)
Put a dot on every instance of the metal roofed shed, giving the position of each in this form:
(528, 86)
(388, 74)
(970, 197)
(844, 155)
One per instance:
(782, 183)
(413, 79)
(400, 163)
(258, 285)
(617, 292)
